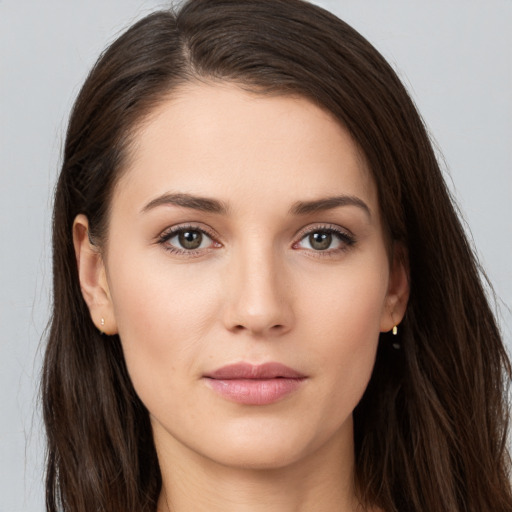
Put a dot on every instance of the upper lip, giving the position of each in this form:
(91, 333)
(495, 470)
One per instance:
(250, 371)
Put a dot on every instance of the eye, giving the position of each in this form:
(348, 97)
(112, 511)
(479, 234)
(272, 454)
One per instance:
(185, 240)
(325, 239)
(189, 239)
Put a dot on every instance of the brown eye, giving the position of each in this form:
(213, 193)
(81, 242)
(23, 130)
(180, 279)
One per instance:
(186, 240)
(190, 239)
(320, 240)
(328, 240)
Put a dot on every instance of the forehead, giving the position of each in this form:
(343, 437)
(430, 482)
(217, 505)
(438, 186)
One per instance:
(219, 140)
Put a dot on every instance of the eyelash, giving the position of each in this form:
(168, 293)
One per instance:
(168, 234)
(346, 239)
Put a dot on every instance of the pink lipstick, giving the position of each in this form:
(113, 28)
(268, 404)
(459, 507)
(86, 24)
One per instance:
(249, 384)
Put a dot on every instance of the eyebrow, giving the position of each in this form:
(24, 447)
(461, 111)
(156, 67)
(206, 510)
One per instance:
(215, 206)
(328, 203)
(203, 204)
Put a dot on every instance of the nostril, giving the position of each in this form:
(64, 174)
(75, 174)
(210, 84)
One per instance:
(274, 328)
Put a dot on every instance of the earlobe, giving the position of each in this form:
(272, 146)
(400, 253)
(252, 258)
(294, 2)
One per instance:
(398, 290)
(93, 277)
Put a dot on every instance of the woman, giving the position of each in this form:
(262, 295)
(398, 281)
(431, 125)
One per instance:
(263, 298)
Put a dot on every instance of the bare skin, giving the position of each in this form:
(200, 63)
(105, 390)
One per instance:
(246, 228)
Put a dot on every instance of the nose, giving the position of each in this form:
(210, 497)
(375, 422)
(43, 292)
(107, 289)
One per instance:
(259, 300)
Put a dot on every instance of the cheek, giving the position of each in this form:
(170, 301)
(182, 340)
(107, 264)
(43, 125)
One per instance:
(345, 324)
(347, 303)
(163, 313)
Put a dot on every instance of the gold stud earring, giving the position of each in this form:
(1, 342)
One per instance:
(396, 345)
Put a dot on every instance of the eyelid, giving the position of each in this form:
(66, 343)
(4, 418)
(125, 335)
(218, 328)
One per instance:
(312, 228)
(172, 231)
(346, 237)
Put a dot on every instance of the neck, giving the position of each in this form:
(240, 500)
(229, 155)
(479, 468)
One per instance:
(324, 480)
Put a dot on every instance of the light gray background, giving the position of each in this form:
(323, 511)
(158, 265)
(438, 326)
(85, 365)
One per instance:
(454, 55)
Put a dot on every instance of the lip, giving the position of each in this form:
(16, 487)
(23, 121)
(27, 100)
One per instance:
(249, 384)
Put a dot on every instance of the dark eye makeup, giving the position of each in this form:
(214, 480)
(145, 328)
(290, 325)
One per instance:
(193, 240)
(188, 240)
(324, 240)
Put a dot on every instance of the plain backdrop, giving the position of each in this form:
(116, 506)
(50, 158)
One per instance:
(455, 57)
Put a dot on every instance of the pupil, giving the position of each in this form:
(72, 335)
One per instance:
(190, 239)
(320, 240)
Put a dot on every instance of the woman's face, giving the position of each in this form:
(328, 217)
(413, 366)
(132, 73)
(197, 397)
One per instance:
(246, 231)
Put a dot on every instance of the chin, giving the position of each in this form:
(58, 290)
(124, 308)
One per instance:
(264, 456)
(270, 447)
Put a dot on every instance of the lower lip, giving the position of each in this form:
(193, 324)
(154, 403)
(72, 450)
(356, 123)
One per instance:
(255, 391)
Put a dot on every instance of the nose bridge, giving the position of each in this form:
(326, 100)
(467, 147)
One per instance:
(258, 301)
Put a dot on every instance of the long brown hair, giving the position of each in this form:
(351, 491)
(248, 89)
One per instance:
(430, 431)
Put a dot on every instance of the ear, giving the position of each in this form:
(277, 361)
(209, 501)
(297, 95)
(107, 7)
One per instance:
(398, 289)
(93, 277)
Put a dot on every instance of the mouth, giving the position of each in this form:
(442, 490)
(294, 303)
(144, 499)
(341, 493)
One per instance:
(249, 384)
